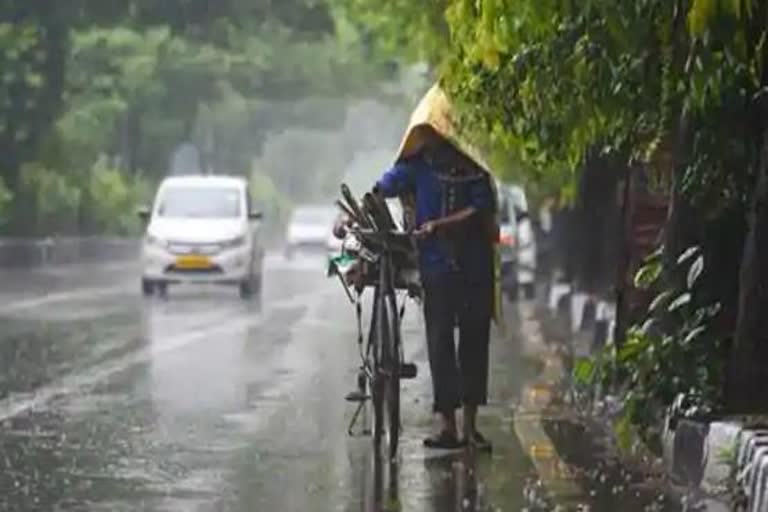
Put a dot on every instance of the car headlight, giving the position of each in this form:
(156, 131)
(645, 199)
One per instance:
(233, 243)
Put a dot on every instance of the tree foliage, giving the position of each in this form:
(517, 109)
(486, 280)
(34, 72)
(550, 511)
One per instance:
(130, 81)
(397, 29)
(674, 87)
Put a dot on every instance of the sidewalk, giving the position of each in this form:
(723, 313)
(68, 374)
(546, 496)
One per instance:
(544, 457)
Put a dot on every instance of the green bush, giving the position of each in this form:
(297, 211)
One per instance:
(100, 201)
(5, 202)
(52, 200)
(112, 198)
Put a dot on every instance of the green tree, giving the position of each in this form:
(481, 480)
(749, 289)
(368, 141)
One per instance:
(673, 87)
(131, 81)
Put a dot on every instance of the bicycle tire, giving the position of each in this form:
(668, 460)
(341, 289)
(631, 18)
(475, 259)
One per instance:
(377, 397)
(386, 394)
(393, 388)
(377, 378)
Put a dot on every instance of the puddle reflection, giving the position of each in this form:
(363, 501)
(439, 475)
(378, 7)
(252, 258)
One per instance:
(447, 483)
(454, 483)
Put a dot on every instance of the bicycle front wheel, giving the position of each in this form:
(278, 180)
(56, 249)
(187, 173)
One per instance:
(387, 409)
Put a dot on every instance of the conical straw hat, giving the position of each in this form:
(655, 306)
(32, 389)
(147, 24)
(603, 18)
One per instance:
(434, 116)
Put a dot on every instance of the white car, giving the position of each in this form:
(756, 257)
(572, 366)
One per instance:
(508, 250)
(517, 244)
(309, 228)
(202, 229)
(526, 241)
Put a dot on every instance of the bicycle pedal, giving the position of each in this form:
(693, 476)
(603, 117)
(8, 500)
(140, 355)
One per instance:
(408, 371)
(356, 396)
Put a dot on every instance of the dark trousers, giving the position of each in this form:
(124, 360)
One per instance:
(458, 376)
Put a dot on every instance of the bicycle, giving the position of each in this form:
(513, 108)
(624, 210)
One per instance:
(383, 254)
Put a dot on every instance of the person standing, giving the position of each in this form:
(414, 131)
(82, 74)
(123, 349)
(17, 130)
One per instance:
(455, 220)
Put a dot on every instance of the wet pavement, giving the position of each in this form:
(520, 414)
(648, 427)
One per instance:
(201, 402)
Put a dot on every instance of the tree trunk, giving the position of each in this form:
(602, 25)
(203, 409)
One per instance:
(594, 247)
(625, 260)
(748, 369)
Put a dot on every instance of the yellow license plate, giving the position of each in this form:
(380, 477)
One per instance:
(193, 262)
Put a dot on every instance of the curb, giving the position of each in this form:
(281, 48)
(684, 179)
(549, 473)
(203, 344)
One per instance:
(709, 459)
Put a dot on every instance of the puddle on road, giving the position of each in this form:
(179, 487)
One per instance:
(507, 480)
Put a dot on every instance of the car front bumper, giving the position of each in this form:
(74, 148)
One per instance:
(229, 266)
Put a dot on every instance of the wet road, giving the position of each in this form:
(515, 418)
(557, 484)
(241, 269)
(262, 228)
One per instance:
(204, 403)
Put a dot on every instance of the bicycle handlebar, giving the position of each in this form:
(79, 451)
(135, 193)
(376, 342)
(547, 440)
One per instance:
(379, 233)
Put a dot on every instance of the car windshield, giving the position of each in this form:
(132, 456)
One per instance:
(197, 202)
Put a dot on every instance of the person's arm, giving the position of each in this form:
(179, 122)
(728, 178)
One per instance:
(431, 226)
(395, 181)
(479, 200)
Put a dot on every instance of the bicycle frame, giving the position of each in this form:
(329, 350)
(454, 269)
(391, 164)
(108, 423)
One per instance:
(372, 356)
(389, 252)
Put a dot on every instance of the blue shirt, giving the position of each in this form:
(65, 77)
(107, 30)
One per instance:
(417, 176)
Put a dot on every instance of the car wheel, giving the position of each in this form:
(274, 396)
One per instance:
(289, 252)
(147, 287)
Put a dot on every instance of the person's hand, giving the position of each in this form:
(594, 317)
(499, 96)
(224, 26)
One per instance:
(426, 229)
(354, 276)
(341, 226)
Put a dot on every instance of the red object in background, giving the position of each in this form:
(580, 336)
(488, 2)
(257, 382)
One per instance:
(508, 240)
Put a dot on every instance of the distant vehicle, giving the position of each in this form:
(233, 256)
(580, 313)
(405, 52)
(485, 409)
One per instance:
(508, 244)
(201, 229)
(309, 229)
(526, 242)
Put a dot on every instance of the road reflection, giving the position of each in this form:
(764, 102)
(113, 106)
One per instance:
(454, 482)
(450, 483)
(386, 486)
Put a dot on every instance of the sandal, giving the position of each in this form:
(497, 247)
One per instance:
(479, 442)
(444, 441)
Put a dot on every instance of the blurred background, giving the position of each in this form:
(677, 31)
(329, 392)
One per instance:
(101, 102)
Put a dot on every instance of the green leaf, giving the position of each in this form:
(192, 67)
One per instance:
(695, 333)
(633, 348)
(647, 325)
(695, 271)
(688, 254)
(660, 300)
(648, 274)
(679, 302)
(584, 371)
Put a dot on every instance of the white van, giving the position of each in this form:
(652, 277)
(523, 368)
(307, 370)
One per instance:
(202, 229)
